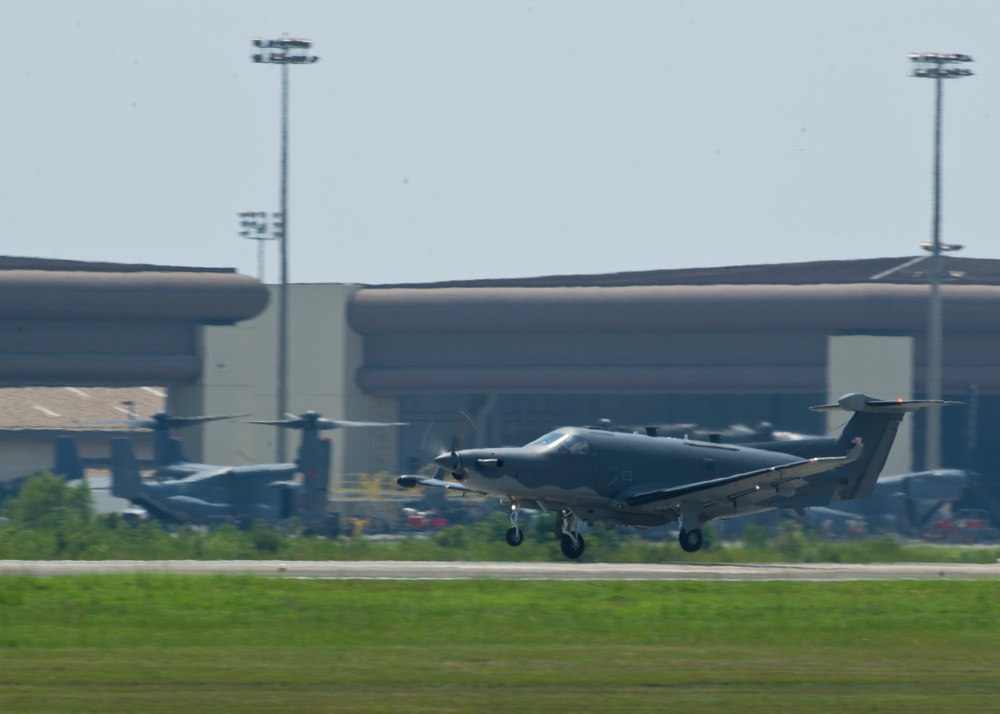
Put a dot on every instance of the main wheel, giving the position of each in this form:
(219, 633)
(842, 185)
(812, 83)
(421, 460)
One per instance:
(691, 540)
(515, 536)
(570, 549)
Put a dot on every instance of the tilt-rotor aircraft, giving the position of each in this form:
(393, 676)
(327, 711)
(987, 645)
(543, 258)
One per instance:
(187, 492)
(168, 449)
(598, 475)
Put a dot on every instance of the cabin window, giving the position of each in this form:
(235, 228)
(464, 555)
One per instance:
(576, 445)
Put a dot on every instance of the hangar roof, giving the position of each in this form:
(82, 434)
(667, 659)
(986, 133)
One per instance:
(756, 328)
(18, 263)
(111, 324)
(39, 288)
(76, 408)
(906, 270)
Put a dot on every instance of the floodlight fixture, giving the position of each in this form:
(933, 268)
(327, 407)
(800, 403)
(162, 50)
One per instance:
(939, 58)
(280, 51)
(254, 225)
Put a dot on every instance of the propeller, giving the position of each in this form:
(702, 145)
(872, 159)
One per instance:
(311, 420)
(462, 432)
(162, 421)
(447, 462)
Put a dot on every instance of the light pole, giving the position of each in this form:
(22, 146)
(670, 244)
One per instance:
(254, 225)
(284, 51)
(934, 66)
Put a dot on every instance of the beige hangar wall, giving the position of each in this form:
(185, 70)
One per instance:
(240, 377)
(879, 367)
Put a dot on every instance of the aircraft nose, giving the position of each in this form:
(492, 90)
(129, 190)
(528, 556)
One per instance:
(449, 461)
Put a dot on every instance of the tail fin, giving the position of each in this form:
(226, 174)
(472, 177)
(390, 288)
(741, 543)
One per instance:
(314, 463)
(874, 425)
(126, 481)
(67, 459)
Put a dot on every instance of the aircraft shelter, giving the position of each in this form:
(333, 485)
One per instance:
(117, 336)
(705, 347)
(697, 348)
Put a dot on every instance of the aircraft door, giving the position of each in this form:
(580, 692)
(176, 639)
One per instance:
(604, 469)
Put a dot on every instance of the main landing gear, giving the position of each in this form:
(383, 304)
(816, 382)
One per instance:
(567, 530)
(691, 540)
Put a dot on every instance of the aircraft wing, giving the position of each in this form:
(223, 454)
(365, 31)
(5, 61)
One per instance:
(775, 479)
(410, 481)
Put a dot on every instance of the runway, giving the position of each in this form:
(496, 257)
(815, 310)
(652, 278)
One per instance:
(427, 570)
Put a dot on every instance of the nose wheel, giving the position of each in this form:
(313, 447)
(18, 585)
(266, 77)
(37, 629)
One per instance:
(514, 535)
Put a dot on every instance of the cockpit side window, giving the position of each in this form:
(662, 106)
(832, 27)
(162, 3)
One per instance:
(576, 445)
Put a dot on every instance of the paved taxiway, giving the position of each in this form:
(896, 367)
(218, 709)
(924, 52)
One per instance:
(426, 570)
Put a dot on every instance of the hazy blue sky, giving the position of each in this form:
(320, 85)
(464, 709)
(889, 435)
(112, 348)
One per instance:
(447, 140)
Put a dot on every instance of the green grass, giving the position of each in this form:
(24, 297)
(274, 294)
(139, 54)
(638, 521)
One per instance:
(161, 643)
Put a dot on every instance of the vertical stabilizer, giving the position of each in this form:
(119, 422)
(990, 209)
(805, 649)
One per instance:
(314, 463)
(67, 459)
(874, 425)
(126, 481)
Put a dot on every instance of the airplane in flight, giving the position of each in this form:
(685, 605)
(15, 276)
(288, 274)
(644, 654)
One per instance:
(597, 475)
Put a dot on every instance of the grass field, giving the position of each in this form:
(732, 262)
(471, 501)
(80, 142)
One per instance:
(160, 643)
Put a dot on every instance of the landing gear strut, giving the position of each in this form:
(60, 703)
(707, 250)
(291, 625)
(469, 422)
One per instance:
(691, 538)
(567, 531)
(515, 536)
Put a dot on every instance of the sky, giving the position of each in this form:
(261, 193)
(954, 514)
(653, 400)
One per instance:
(451, 140)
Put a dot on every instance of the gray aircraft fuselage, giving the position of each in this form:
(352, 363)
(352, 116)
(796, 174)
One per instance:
(596, 474)
(598, 470)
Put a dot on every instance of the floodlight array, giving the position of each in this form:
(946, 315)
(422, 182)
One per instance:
(939, 58)
(254, 225)
(941, 73)
(283, 51)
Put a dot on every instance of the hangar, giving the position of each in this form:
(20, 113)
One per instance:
(704, 347)
(700, 347)
(105, 330)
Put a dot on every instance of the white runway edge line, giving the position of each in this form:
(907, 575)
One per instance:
(427, 570)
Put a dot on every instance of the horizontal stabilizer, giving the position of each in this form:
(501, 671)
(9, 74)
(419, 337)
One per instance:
(856, 402)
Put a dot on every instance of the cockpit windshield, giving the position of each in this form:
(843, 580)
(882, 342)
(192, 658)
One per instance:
(551, 438)
(563, 442)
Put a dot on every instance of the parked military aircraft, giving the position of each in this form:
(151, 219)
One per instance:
(168, 450)
(598, 475)
(187, 492)
(903, 504)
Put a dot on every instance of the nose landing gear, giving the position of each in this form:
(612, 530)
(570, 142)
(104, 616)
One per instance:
(514, 536)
